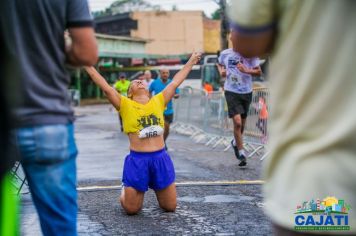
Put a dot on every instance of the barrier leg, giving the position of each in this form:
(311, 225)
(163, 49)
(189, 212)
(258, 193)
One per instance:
(264, 156)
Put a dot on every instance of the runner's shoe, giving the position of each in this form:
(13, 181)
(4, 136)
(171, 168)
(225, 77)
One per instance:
(242, 160)
(236, 151)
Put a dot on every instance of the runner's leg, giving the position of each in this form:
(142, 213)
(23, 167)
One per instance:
(167, 198)
(237, 121)
(243, 122)
(131, 200)
(238, 126)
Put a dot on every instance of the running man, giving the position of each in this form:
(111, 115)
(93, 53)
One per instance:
(158, 86)
(238, 93)
(148, 165)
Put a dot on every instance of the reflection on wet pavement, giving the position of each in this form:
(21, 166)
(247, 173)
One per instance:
(216, 198)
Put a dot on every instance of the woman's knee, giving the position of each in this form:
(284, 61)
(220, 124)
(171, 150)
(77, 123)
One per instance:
(169, 207)
(167, 198)
(131, 209)
(237, 121)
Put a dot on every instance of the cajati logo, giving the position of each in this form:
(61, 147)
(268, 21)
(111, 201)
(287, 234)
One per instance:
(322, 215)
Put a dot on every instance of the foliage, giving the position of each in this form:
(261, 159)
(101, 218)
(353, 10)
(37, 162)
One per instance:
(121, 6)
(216, 15)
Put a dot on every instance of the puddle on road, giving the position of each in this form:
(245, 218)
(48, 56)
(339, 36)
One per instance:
(227, 198)
(190, 199)
(193, 223)
(216, 198)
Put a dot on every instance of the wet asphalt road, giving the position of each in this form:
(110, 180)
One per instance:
(203, 209)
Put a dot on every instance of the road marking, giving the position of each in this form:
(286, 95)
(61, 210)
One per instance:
(184, 184)
(221, 182)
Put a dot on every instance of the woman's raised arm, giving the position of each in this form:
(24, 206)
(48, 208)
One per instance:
(170, 90)
(113, 96)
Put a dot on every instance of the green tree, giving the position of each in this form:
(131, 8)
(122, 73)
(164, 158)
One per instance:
(121, 6)
(216, 15)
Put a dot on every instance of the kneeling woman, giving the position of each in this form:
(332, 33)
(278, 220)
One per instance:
(147, 165)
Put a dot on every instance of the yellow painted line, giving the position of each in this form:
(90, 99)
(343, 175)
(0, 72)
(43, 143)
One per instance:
(187, 183)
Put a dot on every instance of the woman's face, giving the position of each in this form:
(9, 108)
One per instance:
(137, 86)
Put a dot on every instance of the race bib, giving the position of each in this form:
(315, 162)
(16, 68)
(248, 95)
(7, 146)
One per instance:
(151, 131)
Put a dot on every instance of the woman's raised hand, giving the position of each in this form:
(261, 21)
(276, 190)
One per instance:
(195, 58)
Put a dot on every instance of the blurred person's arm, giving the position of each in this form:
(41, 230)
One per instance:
(221, 69)
(220, 65)
(253, 25)
(113, 96)
(256, 71)
(82, 50)
(178, 78)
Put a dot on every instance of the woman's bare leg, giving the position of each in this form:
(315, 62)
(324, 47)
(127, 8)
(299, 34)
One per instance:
(167, 198)
(131, 200)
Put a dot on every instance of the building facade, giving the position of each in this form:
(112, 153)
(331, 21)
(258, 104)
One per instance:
(167, 32)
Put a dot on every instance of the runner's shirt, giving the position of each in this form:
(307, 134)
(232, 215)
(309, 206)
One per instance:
(236, 81)
(136, 116)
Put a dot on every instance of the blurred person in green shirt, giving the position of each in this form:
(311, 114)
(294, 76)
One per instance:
(121, 86)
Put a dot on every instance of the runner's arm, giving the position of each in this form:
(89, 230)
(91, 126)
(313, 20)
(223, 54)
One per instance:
(256, 71)
(221, 69)
(253, 32)
(113, 96)
(170, 90)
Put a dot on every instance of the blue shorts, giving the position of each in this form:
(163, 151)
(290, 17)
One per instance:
(143, 170)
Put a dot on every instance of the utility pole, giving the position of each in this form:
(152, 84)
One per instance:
(224, 25)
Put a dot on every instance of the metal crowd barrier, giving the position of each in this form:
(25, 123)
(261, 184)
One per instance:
(256, 128)
(203, 116)
(18, 179)
(74, 95)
